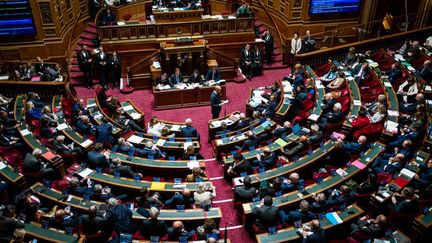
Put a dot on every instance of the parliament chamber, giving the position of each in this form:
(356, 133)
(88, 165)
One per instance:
(215, 121)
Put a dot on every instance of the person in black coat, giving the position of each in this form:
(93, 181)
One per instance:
(152, 226)
(116, 73)
(213, 74)
(124, 170)
(91, 223)
(331, 118)
(108, 18)
(256, 61)
(33, 164)
(183, 198)
(102, 61)
(162, 80)
(394, 72)
(318, 234)
(246, 192)
(119, 218)
(303, 213)
(371, 228)
(404, 203)
(103, 132)
(195, 77)
(251, 141)
(188, 131)
(85, 65)
(96, 159)
(176, 78)
(8, 223)
(267, 159)
(268, 46)
(246, 61)
(266, 214)
(240, 166)
(281, 132)
(425, 72)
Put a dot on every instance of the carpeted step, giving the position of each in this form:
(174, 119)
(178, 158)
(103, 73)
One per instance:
(75, 68)
(277, 52)
(77, 75)
(88, 43)
(258, 23)
(92, 24)
(87, 36)
(277, 58)
(74, 61)
(275, 65)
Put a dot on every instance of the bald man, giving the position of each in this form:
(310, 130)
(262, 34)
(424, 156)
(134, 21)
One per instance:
(216, 102)
(178, 231)
(184, 198)
(318, 234)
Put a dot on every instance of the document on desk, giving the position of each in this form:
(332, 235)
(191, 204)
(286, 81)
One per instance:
(157, 186)
(62, 126)
(193, 164)
(25, 132)
(86, 143)
(127, 108)
(86, 172)
(2, 165)
(187, 144)
(135, 139)
(334, 218)
(135, 115)
(160, 142)
(175, 128)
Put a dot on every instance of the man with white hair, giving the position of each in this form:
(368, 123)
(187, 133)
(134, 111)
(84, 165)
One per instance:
(33, 164)
(151, 150)
(328, 103)
(189, 131)
(316, 135)
(243, 122)
(118, 217)
(152, 226)
(425, 72)
(333, 117)
(283, 131)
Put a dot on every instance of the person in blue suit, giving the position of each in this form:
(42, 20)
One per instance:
(394, 72)
(413, 135)
(216, 102)
(303, 214)
(267, 160)
(176, 78)
(84, 126)
(184, 198)
(32, 112)
(251, 141)
(213, 74)
(270, 111)
(103, 132)
(98, 159)
(189, 131)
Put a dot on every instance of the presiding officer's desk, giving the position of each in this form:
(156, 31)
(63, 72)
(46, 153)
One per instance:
(189, 97)
(78, 203)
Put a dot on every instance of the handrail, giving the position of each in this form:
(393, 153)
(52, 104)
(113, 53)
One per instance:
(273, 22)
(95, 21)
(141, 63)
(68, 53)
(223, 56)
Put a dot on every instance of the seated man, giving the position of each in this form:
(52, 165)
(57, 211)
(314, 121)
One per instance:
(342, 196)
(392, 165)
(351, 149)
(151, 150)
(9, 141)
(189, 131)
(152, 226)
(425, 72)
(315, 136)
(162, 80)
(320, 205)
(266, 135)
(291, 183)
(91, 223)
(299, 146)
(412, 135)
(9, 223)
(118, 217)
(213, 74)
(103, 132)
(408, 90)
(62, 219)
(394, 72)
(363, 74)
(303, 214)
(124, 170)
(424, 177)
(328, 103)
(84, 126)
(8, 123)
(97, 159)
(331, 118)
(405, 203)
(330, 75)
(246, 192)
(266, 214)
(177, 199)
(406, 107)
(266, 160)
(178, 231)
(370, 228)
(123, 146)
(33, 164)
(67, 149)
(176, 78)
(243, 122)
(318, 234)
(251, 141)
(281, 132)
(240, 166)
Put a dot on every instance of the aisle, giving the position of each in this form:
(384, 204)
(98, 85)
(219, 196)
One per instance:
(238, 94)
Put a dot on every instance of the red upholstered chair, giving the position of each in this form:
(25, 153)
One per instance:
(100, 236)
(400, 220)
(127, 16)
(12, 156)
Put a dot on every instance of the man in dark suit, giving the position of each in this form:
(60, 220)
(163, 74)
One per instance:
(299, 146)
(8, 223)
(309, 42)
(268, 46)
(332, 117)
(256, 61)
(267, 160)
(216, 102)
(176, 78)
(266, 214)
(184, 198)
(85, 65)
(251, 141)
(370, 228)
(119, 218)
(96, 159)
(103, 132)
(91, 223)
(281, 132)
(342, 196)
(102, 61)
(124, 170)
(239, 166)
(33, 164)
(318, 234)
(188, 131)
(246, 61)
(303, 213)
(425, 72)
(394, 72)
(246, 192)
(270, 111)
(152, 226)
(243, 122)
(213, 74)
(363, 74)
(328, 103)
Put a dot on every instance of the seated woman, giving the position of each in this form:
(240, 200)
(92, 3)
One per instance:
(275, 90)
(378, 116)
(165, 132)
(195, 77)
(197, 174)
(119, 117)
(155, 127)
(408, 90)
(107, 102)
(338, 83)
(190, 152)
(209, 227)
(297, 77)
(32, 112)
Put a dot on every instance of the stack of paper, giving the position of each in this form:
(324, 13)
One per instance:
(407, 173)
(2, 165)
(86, 172)
(341, 172)
(393, 113)
(388, 84)
(128, 108)
(192, 164)
(160, 142)
(86, 143)
(187, 144)
(357, 102)
(25, 132)
(313, 117)
(135, 115)
(399, 57)
(391, 126)
(334, 218)
(175, 128)
(135, 139)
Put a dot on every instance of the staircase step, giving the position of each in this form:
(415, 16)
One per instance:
(88, 43)
(258, 23)
(91, 30)
(275, 65)
(277, 58)
(77, 75)
(74, 61)
(91, 24)
(75, 68)
(87, 36)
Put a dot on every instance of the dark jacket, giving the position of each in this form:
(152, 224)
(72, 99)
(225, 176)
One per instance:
(188, 131)
(266, 216)
(153, 227)
(120, 218)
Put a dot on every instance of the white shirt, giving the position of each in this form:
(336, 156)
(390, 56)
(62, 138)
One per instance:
(296, 45)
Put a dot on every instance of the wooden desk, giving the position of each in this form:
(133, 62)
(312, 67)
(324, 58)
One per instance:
(11, 175)
(179, 98)
(97, 114)
(35, 230)
(290, 234)
(131, 110)
(177, 16)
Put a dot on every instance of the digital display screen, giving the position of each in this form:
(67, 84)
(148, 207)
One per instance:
(333, 6)
(16, 18)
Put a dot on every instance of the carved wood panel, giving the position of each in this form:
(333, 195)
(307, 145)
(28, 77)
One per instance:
(45, 12)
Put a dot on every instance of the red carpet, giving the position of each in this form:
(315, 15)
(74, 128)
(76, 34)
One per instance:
(238, 94)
